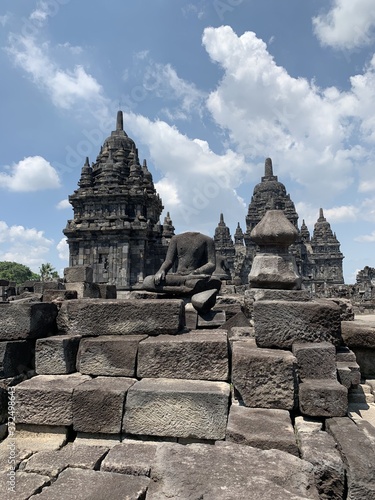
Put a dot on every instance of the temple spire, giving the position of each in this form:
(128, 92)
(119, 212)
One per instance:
(268, 170)
(321, 214)
(120, 121)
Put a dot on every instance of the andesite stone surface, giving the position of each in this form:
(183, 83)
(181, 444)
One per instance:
(177, 408)
(95, 485)
(109, 355)
(56, 355)
(229, 471)
(130, 457)
(261, 428)
(91, 317)
(323, 398)
(315, 360)
(47, 399)
(264, 378)
(15, 357)
(201, 355)
(98, 404)
(280, 323)
(27, 320)
(27, 484)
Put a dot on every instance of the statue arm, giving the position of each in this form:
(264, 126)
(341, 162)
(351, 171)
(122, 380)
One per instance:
(210, 266)
(168, 263)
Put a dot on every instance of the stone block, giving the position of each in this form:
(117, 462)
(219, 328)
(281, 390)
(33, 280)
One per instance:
(315, 360)
(348, 373)
(201, 355)
(358, 334)
(130, 457)
(307, 424)
(56, 355)
(264, 378)
(203, 302)
(52, 462)
(177, 408)
(47, 399)
(238, 320)
(212, 319)
(78, 273)
(241, 332)
(107, 291)
(260, 428)
(95, 485)
(16, 357)
(228, 471)
(26, 485)
(43, 286)
(59, 295)
(358, 454)
(191, 317)
(27, 320)
(319, 448)
(98, 404)
(343, 353)
(35, 438)
(120, 317)
(109, 355)
(323, 398)
(280, 323)
(84, 290)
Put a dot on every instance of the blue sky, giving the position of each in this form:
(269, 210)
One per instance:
(209, 89)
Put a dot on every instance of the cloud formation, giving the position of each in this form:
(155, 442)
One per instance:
(33, 173)
(24, 245)
(349, 24)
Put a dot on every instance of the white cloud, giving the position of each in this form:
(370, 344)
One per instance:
(44, 10)
(163, 81)
(4, 19)
(194, 10)
(33, 173)
(66, 87)
(197, 183)
(63, 249)
(345, 213)
(349, 24)
(367, 238)
(63, 204)
(74, 49)
(23, 245)
(305, 129)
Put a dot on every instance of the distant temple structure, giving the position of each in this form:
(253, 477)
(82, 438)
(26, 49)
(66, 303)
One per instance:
(116, 228)
(318, 258)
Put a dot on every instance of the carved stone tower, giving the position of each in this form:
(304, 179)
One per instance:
(116, 228)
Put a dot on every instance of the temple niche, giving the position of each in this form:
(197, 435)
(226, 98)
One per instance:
(318, 258)
(116, 226)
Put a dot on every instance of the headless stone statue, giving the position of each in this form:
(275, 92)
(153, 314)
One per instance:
(194, 254)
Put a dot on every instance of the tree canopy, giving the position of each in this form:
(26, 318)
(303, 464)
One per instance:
(19, 273)
(48, 272)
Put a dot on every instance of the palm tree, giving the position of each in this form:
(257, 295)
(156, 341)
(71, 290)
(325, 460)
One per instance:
(47, 272)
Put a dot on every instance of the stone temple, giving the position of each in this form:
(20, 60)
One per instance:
(116, 229)
(318, 258)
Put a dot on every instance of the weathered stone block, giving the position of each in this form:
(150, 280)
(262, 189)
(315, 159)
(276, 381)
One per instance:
(96, 485)
(264, 378)
(280, 323)
(264, 429)
(52, 462)
(15, 357)
(30, 320)
(130, 457)
(229, 471)
(212, 319)
(109, 355)
(307, 424)
(26, 485)
(59, 295)
(56, 355)
(323, 398)
(47, 399)
(107, 291)
(319, 448)
(315, 360)
(359, 457)
(177, 408)
(199, 355)
(191, 317)
(76, 274)
(120, 317)
(348, 373)
(98, 404)
(84, 290)
(343, 353)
